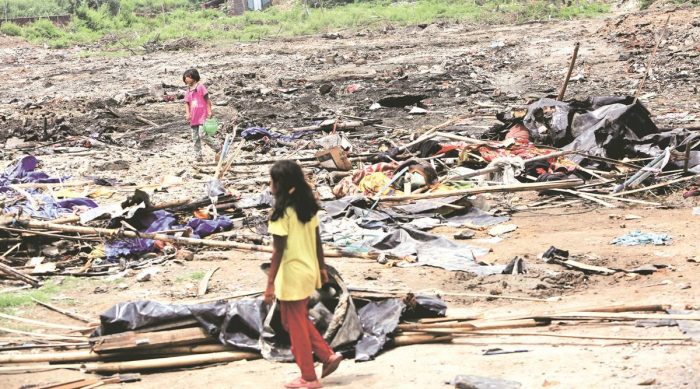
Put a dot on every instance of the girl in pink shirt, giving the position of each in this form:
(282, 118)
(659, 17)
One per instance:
(198, 110)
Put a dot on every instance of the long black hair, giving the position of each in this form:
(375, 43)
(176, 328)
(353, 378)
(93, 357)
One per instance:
(193, 73)
(292, 190)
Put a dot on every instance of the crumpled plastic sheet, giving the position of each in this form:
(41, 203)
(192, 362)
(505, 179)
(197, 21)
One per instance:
(688, 327)
(22, 171)
(49, 208)
(255, 133)
(242, 323)
(636, 238)
(378, 320)
(256, 200)
(434, 250)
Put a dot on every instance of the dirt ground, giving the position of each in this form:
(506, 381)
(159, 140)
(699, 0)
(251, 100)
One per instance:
(463, 69)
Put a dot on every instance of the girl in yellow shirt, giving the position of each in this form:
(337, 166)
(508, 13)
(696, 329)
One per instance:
(297, 269)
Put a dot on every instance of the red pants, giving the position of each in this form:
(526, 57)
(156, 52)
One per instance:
(304, 337)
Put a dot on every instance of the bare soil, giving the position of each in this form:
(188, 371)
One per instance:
(464, 70)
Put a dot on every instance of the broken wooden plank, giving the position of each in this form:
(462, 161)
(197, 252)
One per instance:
(133, 340)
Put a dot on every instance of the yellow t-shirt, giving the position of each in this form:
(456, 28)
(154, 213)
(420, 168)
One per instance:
(299, 275)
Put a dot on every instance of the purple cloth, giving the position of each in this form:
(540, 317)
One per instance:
(149, 222)
(22, 172)
(48, 208)
(161, 221)
(204, 228)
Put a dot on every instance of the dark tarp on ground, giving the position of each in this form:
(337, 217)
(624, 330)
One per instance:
(247, 323)
(605, 126)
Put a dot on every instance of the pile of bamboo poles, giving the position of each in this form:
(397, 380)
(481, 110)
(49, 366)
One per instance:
(184, 344)
(473, 326)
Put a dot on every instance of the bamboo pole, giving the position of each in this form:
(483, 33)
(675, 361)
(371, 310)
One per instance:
(39, 335)
(601, 337)
(36, 368)
(44, 324)
(489, 189)
(167, 363)
(115, 233)
(91, 356)
(442, 328)
(659, 185)
(41, 233)
(54, 308)
(408, 340)
(617, 316)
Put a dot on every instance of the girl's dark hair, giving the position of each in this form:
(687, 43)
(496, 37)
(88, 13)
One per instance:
(288, 177)
(193, 73)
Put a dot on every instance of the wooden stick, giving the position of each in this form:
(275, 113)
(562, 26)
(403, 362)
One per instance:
(607, 308)
(407, 340)
(204, 284)
(446, 328)
(168, 363)
(38, 335)
(651, 58)
(22, 277)
(54, 308)
(115, 233)
(461, 138)
(226, 297)
(91, 356)
(10, 250)
(659, 185)
(567, 336)
(616, 316)
(43, 324)
(35, 185)
(562, 91)
(36, 368)
(489, 189)
(40, 233)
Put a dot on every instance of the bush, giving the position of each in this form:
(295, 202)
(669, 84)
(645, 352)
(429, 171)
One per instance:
(11, 29)
(42, 29)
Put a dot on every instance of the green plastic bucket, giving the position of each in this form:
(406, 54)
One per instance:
(210, 126)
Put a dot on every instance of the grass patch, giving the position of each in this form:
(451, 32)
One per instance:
(141, 21)
(23, 298)
(194, 276)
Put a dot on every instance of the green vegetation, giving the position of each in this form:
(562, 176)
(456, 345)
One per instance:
(141, 21)
(9, 301)
(194, 276)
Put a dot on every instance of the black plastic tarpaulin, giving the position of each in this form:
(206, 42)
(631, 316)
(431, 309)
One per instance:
(603, 126)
